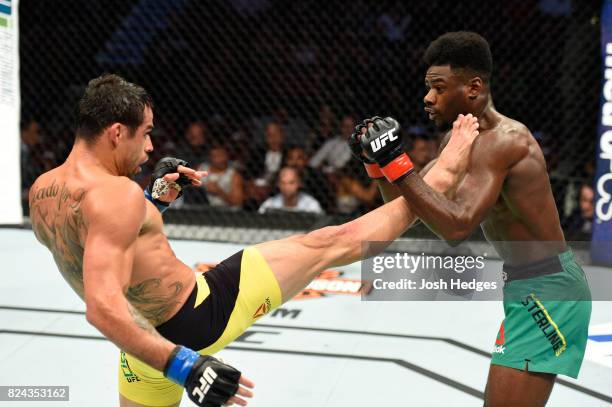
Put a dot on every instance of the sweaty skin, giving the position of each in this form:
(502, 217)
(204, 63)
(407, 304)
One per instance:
(159, 282)
(108, 241)
(506, 189)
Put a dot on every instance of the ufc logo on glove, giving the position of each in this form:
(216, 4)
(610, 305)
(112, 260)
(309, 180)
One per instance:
(381, 141)
(383, 146)
(206, 380)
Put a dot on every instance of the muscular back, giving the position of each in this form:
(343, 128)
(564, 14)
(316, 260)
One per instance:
(524, 208)
(158, 283)
(57, 221)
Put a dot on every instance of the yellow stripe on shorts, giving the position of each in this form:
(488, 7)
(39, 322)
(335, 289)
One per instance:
(552, 322)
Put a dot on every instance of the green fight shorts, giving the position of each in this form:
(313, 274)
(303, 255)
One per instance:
(547, 307)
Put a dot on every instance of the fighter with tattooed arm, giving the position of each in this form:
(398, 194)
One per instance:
(107, 239)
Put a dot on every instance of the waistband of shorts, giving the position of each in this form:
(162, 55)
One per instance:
(549, 265)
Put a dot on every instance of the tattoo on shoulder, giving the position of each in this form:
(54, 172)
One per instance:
(57, 221)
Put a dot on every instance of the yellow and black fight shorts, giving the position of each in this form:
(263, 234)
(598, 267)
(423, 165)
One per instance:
(225, 301)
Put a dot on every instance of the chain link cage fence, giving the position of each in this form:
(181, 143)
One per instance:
(244, 88)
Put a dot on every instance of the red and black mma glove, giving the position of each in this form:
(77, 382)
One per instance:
(382, 143)
(158, 186)
(208, 381)
(354, 143)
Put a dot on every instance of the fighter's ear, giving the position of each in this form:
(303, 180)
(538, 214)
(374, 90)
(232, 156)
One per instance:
(475, 87)
(113, 132)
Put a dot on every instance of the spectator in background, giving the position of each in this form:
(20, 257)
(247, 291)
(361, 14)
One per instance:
(335, 152)
(352, 196)
(558, 171)
(433, 145)
(30, 138)
(419, 152)
(193, 148)
(294, 127)
(290, 197)
(165, 143)
(323, 130)
(263, 166)
(242, 144)
(393, 25)
(265, 163)
(579, 225)
(586, 208)
(32, 156)
(223, 184)
(313, 181)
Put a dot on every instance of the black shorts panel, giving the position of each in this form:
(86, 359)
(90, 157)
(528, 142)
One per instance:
(200, 327)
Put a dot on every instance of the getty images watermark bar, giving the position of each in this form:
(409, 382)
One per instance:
(34, 393)
(426, 270)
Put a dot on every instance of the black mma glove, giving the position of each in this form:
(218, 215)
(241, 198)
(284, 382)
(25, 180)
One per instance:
(382, 143)
(371, 167)
(208, 381)
(158, 186)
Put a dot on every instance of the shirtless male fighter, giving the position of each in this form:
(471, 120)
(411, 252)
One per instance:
(107, 240)
(507, 192)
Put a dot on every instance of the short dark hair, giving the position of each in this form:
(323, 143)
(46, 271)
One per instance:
(461, 50)
(217, 145)
(110, 99)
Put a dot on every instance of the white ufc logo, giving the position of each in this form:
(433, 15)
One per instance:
(381, 141)
(206, 380)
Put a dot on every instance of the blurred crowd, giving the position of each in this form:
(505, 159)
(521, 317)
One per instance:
(265, 103)
(278, 163)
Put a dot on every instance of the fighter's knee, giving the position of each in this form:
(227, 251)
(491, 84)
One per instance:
(337, 245)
